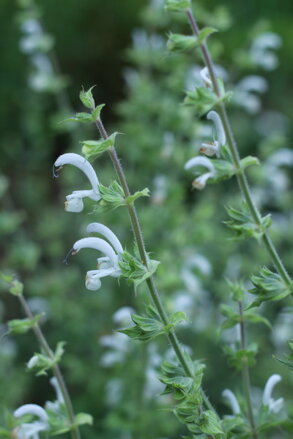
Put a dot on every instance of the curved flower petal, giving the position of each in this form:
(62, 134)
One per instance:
(221, 136)
(204, 73)
(97, 244)
(32, 409)
(107, 233)
(82, 164)
(92, 280)
(232, 401)
(200, 161)
(267, 399)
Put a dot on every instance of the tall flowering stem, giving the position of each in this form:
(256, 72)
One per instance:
(241, 176)
(75, 434)
(137, 232)
(246, 374)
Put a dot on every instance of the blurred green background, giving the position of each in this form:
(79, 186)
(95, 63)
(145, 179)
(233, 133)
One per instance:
(143, 87)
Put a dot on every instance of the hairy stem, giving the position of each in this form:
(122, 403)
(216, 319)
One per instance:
(241, 176)
(246, 374)
(75, 434)
(137, 232)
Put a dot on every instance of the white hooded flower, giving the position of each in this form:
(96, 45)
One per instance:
(32, 429)
(261, 52)
(213, 148)
(205, 76)
(107, 265)
(56, 405)
(232, 400)
(267, 399)
(74, 201)
(200, 182)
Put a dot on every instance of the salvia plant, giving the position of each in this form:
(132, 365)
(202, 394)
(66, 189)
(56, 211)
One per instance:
(172, 377)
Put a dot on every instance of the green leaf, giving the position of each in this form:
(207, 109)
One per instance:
(210, 424)
(181, 43)
(224, 170)
(202, 99)
(144, 193)
(269, 286)
(146, 327)
(112, 195)
(81, 117)
(21, 326)
(249, 161)
(91, 149)
(236, 358)
(97, 112)
(244, 225)
(13, 285)
(83, 418)
(177, 5)
(205, 33)
(87, 99)
(237, 290)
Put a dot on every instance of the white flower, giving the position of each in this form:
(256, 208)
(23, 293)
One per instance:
(122, 317)
(32, 429)
(74, 201)
(200, 182)
(205, 76)
(107, 265)
(232, 401)
(55, 406)
(245, 93)
(267, 400)
(213, 148)
(261, 50)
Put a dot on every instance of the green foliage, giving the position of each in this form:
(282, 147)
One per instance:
(87, 98)
(239, 357)
(92, 149)
(233, 318)
(144, 193)
(112, 195)
(177, 5)
(244, 225)
(146, 327)
(134, 270)
(41, 363)
(21, 326)
(269, 286)
(14, 286)
(182, 43)
(288, 361)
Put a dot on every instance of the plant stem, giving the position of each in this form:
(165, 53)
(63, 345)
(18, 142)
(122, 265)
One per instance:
(246, 374)
(241, 176)
(137, 232)
(75, 434)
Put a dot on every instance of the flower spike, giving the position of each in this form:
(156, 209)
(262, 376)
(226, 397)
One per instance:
(200, 182)
(273, 405)
(74, 202)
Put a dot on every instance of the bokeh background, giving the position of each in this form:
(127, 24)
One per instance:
(120, 47)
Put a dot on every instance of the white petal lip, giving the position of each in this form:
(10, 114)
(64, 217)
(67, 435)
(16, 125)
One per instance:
(32, 409)
(232, 400)
(81, 163)
(221, 136)
(200, 161)
(204, 73)
(107, 233)
(267, 394)
(97, 244)
(54, 383)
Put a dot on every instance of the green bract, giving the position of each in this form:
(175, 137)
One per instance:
(269, 286)
(41, 363)
(91, 149)
(244, 225)
(87, 99)
(21, 326)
